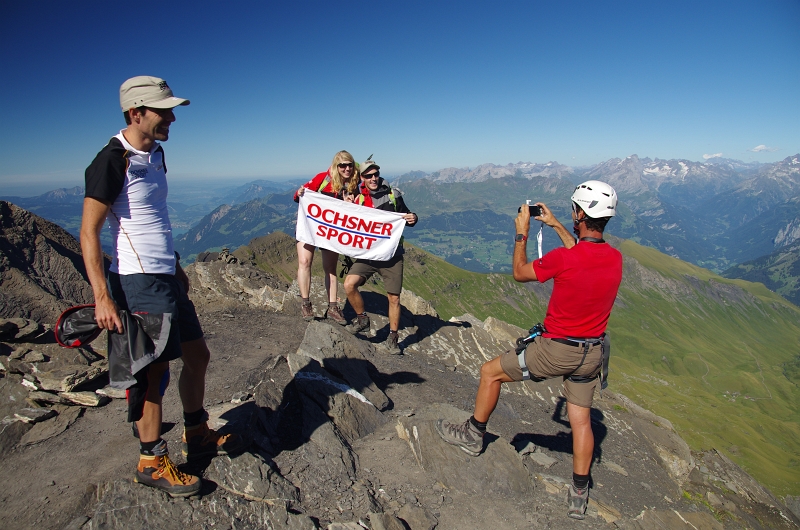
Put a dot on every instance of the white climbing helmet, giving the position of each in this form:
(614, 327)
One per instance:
(596, 199)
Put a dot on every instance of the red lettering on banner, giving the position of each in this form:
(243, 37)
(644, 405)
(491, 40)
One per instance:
(387, 230)
(364, 226)
(325, 214)
(340, 220)
(351, 223)
(318, 210)
(332, 232)
(376, 228)
(342, 238)
(370, 240)
(358, 241)
(321, 230)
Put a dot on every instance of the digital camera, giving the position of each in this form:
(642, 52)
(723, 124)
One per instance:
(535, 210)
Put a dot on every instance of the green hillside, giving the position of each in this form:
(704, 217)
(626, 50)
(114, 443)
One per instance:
(719, 358)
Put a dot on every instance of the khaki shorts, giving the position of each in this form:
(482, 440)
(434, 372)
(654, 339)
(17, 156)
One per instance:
(391, 271)
(547, 358)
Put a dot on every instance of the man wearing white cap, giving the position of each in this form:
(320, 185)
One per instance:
(126, 185)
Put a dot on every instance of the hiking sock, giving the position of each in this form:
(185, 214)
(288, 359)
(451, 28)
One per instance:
(478, 425)
(152, 448)
(193, 419)
(306, 301)
(392, 331)
(580, 482)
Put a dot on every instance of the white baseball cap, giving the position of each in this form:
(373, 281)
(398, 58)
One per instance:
(147, 91)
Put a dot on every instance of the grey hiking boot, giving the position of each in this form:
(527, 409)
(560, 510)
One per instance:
(334, 313)
(391, 344)
(307, 312)
(577, 501)
(462, 435)
(360, 323)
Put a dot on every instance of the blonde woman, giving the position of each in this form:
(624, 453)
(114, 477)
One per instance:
(339, 181)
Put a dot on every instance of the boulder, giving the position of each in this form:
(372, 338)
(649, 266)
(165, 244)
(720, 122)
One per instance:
(352, 413)
(416, 304)
(342, 355)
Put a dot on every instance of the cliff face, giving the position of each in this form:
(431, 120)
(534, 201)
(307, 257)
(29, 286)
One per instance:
(41, 268)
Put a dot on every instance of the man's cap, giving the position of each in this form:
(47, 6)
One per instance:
(147, 91)
(369, 164)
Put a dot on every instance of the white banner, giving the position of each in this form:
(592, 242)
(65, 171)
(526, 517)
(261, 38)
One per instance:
(350, 229)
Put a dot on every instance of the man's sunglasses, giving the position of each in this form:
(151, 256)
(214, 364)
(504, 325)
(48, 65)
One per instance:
(375, 175)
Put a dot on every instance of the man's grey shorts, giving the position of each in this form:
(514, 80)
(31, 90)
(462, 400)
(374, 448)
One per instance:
(391, 271)
(158, 293)
(547, 358)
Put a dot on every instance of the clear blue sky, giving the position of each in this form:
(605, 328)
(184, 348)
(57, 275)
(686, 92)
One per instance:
(278, 87)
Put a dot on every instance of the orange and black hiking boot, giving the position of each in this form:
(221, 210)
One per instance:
(200, 441)
(159, 472)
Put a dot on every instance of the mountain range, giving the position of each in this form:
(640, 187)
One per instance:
(717, 214)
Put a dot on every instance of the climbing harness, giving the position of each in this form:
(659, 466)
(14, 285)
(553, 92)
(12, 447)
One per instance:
(522, 344)
(584, 343)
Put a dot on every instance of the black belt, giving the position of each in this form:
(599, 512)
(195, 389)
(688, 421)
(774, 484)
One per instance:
(576, 343)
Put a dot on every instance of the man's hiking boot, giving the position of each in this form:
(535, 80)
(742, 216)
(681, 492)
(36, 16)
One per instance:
(334, 313)
(360, 323)
(463, 435)
(577, 501)
(307, 311)
(201, 441)
(159, 472)
(391, 344)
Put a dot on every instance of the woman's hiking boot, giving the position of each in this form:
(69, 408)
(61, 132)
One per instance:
(201, 441)
(334, 313)
(463, 435)
(158, 471)
(307, 311)
(391, 344)
(577, 500)
(360, 323)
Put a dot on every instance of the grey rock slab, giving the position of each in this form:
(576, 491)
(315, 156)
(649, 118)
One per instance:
(110, 391)
(252, 477)
(352, 413)
(385, 521)
(345, 526)
(33, 357)
(30, 415)
(498, 469)
(416, 304)
(28, 331)
(11, 432)
(417, 518)
(45, 397)
(343, 355)
(543, 460)
(503, 331)
(68, 378)
(52, 428)
(126, 505)
(87, 399)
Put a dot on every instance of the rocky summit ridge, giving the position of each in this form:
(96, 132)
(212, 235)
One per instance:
(342, 432)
